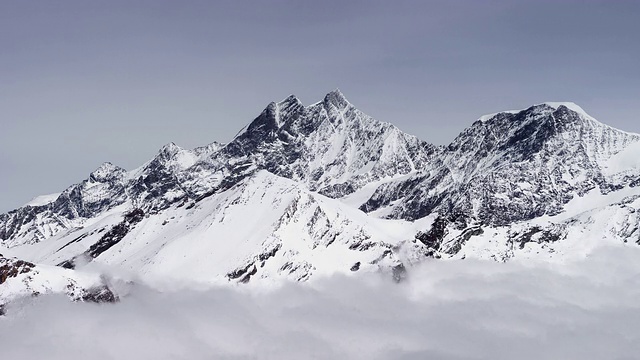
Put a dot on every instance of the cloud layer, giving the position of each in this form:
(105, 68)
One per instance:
(445, 310)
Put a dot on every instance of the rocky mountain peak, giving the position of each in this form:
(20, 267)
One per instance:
(208, 149)
(570, 106)
(175, 158)
(337, 99)
(107, 172)
(538, 111)
(290, 100)
(526, 131)
(169, 150)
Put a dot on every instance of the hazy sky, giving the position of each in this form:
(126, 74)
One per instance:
(83, 82)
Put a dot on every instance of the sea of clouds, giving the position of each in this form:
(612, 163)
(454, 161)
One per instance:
(461, 309)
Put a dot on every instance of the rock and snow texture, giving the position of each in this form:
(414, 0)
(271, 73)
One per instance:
(22, 278)
(320, 189)
(264, 227)
(514, 166)
(331, 147)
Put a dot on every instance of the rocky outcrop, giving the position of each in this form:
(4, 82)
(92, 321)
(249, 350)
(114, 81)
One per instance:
(11, 268)
(19, 278)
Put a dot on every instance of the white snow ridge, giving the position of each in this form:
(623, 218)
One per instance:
(320, 232)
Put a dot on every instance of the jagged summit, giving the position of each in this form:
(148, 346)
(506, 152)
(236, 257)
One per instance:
(549, 106)
(276, 114)
(553, 152)
(106, 171)
(168, 152)
(527, 132)
(337, 99)
(208, 149)
(568, 104)
(334, 97)
(169, 148)
(330, 146)
(288, 101)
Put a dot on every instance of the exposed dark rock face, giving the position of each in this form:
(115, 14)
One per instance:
(510, 167)
(244, 274)
(434, 238)
(103, 190)
(116, 233)
(295, 142)
(12, 221)
(10, 268)
(68, 264)
(80, 238)
(456, 245)
(538, 235)
(100, 294)
(269, 253)
(109, 239)
(238, 273)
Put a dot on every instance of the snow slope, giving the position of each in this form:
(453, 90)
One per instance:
(264, 227)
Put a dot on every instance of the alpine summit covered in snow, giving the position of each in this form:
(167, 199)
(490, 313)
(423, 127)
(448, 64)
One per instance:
(309, 191)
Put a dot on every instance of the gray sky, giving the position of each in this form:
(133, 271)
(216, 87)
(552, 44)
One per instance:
(83, 82)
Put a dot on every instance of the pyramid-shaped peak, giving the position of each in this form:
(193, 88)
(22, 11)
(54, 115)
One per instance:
(169, 149)
(273, 108)
(289, 105)
(105, 172)
(168, 152)
(290, 100)
(337, 99)
(170, 146)
(107, 167)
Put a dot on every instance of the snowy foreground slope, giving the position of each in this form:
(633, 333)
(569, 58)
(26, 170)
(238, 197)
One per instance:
(304, 191)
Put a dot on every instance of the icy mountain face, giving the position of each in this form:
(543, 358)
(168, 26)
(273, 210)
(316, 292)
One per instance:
(174, 174)
(512, 167)
(330, 146)
(311, 190)
(584, 227)
(104, 189)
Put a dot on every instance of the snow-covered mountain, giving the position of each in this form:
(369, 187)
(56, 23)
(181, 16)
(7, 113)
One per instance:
(310, 190)
(515, 166)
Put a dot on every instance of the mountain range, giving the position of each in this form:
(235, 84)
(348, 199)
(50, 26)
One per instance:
(307, 191)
